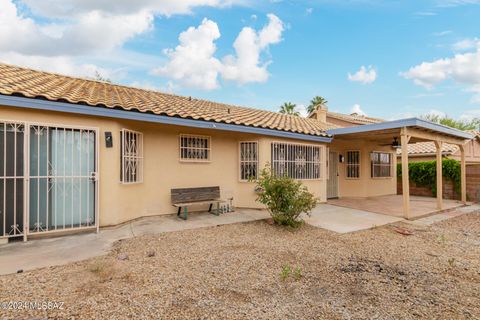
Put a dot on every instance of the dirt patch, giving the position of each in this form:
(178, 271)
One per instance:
(234, 272)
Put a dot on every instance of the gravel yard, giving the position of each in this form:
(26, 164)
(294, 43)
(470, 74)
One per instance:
(240, 271)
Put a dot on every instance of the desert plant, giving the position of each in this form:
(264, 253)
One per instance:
(285, 273)
(297, 274)
(285, 198)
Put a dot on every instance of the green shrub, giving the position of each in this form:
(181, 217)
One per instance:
(425, 173)
(286, 199)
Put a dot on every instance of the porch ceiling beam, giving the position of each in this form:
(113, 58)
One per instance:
(38, 104)
(432, 136)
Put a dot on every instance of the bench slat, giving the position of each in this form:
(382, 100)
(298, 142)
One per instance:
(197, 202)
(181, 195)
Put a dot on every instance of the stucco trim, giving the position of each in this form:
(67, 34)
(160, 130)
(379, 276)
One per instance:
(38, 104)
(397, 124)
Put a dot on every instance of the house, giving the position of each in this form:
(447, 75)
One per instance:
(78, 154)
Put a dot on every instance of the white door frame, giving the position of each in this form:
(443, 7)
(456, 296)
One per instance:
(330, 183)
(26, 176)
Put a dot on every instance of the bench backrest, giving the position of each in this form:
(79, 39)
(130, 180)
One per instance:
(182, 195)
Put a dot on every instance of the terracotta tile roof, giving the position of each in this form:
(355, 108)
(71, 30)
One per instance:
(354, 118)
(425, 148)
(38, 84)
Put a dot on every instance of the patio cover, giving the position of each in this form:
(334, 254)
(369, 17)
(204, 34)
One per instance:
(411, 130)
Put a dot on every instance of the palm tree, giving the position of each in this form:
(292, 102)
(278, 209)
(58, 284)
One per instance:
(317, 100)
(289, 108)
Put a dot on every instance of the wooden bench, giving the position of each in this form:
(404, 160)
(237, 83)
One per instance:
(185, 197)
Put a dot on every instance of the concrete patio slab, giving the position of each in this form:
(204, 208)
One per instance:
(38, 253)
(427, 221)
(343, 220)
(392, 205)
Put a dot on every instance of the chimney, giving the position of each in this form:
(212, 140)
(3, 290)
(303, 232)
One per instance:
(320, 113)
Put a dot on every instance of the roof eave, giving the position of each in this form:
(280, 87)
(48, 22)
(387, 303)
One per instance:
(397, 124)
(39, 104)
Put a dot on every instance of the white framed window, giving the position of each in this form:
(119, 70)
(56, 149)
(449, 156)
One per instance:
(353, 165)
(381, 164)
(195, 148)
(248, 160)
(131, 146)
(297, 161)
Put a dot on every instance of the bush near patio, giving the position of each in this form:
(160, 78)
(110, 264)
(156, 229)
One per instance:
(286, 199)
(425, 173)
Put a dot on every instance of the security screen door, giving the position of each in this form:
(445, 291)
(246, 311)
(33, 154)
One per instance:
(59, 175)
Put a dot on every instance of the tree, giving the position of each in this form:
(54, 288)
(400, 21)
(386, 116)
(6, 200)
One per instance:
(473, 124)
(285, 198)
(289, 108)
(317, 100)
(98, 76)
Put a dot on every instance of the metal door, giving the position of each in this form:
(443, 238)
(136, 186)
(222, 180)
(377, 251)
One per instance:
(12, 179)
(48, 178)
(332, 183)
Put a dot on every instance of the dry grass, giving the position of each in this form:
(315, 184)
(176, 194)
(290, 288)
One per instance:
(236, 272)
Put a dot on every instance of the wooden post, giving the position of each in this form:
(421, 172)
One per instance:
(463, 175)
(439, 145)
(405, 181)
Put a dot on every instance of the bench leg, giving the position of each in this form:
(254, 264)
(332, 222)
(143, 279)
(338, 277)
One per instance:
(185, 213)
(210, 208)
(217, 210)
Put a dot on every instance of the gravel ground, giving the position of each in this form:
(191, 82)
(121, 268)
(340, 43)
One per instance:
(234, 272)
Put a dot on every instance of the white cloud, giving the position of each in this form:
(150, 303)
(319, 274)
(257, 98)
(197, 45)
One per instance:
(68, 33)
(470, 115)
(442, 33)
(364, 75)
(302, 109)
(63, 9)
(193, 62)
(246, 66)
(466, 44)
(308, 11)
(462, 68)
(357, 109)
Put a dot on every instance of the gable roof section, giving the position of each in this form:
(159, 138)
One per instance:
(354, 118)
(17, 81)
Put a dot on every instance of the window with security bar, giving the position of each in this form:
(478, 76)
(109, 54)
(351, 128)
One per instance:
(131, 144)
(353, 164)
(195, 148)
(381, 164)
(248, 160)
(297, 161)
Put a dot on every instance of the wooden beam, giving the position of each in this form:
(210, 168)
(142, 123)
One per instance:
(432, 136)
(463, 175)
(404, 138)
(438, 145)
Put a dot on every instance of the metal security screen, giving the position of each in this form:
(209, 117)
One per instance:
(248, 160)
(131, 170)
(62, 169)
(12, 180)
(48, 179)
(381, 164)
(194, 148)
(353, 164)
(298, 161)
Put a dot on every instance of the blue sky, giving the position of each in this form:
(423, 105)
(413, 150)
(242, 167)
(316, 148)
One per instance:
(417, 56)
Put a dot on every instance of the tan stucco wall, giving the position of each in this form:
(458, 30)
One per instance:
(162, 168)
(365, 186)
